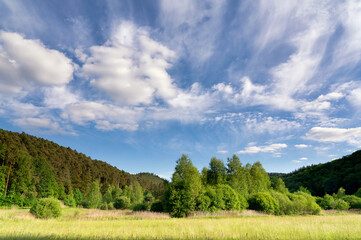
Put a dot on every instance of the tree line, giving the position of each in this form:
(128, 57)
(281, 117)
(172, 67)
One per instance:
(32, 168)
(30, 172)
(327, 177)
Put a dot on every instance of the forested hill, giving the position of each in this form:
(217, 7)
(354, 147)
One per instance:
(327, 177)
(30, 159)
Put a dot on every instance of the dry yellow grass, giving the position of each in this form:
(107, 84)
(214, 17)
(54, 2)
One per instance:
(95, 224)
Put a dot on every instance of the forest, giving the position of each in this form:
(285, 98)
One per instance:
(32, 169)
(327, 177)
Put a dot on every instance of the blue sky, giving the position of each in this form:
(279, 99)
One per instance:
(138, 83)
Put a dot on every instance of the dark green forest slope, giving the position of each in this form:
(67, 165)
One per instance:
(327, 177)
(26, 160)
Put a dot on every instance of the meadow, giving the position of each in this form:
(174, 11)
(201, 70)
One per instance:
(121, 224)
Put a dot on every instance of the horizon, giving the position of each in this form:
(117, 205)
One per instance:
(137, 84)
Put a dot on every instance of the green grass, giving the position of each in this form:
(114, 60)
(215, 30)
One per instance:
(96, 224)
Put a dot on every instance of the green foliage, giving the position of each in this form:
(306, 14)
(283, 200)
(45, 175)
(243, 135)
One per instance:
(45, 181)
(69, 200)
(353, 201)
(78, 197)
(216, 172)
(329, 202)
(181, 195)
(328, 177)
(260, 180)
(157, 206)
(46, 208)
(148, 198)
(304, 202)
(279, 185)
(94, 197)
(358, 193)
(237, 176)
(141, 207)
(263, 201)
(122, 202)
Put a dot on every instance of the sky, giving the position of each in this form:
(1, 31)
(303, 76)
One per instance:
(139, 83)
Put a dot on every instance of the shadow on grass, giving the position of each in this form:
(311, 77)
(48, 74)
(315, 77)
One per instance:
(87, 238)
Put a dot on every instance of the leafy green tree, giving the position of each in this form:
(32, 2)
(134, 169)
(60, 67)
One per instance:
(358, 193)
(78, 197)
(108, 196)
(94, 197)
(45, 181)
(279, 185)
(260, 179)
(216, 172)
(181, 195)
(122, 202)
(236, 175)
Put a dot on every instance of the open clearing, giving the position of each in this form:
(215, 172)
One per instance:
(97, 224)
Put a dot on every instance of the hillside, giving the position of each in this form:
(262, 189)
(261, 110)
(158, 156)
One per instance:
(28, 156)
(327, 177)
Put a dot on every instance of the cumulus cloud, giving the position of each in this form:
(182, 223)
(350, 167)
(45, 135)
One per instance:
(301, 146)
(349, 135)
(106, 116)
(272, 148)
(26, 62)
(131, 67)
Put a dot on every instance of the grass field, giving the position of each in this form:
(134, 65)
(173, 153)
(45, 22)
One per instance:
(97, 224)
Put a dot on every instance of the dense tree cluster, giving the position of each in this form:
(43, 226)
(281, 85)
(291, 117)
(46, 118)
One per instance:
(35, 172)
(327, 177)
(32, 168)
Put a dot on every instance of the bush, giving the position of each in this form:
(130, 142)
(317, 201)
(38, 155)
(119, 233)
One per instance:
(341, 204)
(358, 193)
(263, 201)
(69, 200)
(46, 208)
(157, 206)
(110, 206)
(122, 202)
(103, 206)
(309, 204)
(355, 202)
(328, 202)
(285, 204)
(140, 207)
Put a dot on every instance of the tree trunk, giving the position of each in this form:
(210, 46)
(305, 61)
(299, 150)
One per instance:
(7, 180)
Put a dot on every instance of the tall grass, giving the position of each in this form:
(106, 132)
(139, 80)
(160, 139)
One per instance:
(92, 224)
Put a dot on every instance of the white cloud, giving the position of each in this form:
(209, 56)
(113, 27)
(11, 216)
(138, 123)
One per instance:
(192, 27)
(222, 151)
(25, 62)
(303, 159)
(131, 67)
(349, 135)
(272, 148)
(105, 116)
(271, 125)
(36, 122)
(59, 97)
(301, 146)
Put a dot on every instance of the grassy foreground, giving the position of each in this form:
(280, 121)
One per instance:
(96, 224)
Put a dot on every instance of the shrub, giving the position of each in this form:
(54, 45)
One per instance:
(104, 206)
(110, 206)
(328, 202)
(263, 201)
(355, 202)
(341, 204)
(358, 193)
(122, 202)
(157, 206)
(46, 208)
(69, 200)
(285, 204)
(140, 207)
(310, 206)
